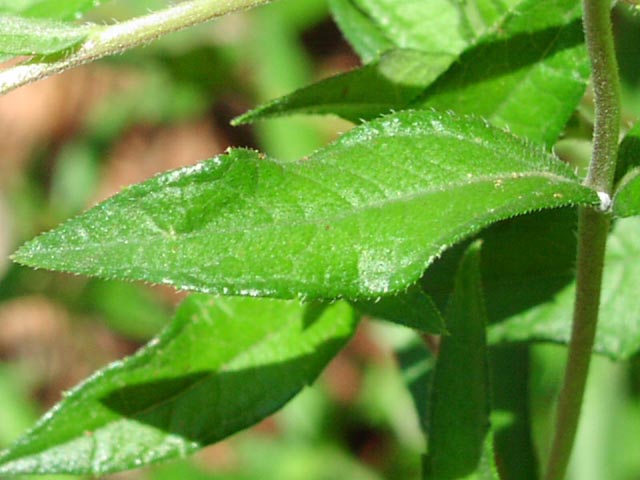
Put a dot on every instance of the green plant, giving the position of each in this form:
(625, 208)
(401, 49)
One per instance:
(444, 210)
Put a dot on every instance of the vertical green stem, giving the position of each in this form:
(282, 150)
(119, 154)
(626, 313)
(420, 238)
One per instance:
(593, 226)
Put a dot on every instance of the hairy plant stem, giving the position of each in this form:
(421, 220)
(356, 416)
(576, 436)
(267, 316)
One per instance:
(111, 39)
(593, 226)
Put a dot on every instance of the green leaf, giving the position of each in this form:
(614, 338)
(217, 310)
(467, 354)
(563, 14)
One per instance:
(510, 416)
(23, 36)
(366, 38)
(417, 364)
(165, 227)
(629, 152)
(51, 9)
(528, 278)
(530, 64)
(361, 218)
(526, 261)
(459, 407)
(222, 365)
(401, 67)
(618, 334)
(445, 26)
(528, 77)
(392, 81)
(626, 202)
(413, 309)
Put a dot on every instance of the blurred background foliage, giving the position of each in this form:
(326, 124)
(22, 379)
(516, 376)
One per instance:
(75, 139)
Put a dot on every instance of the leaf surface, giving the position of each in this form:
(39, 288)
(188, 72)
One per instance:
(626, 202)
(444, 26)
(24, 36)
(629, 152)
(360, 218)
(366, 38)
(459, 407)
(221, 366)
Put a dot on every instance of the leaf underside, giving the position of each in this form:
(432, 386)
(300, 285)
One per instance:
(221, 366)
(360, 218)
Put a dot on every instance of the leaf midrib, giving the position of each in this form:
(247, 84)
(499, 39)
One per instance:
(356, 211)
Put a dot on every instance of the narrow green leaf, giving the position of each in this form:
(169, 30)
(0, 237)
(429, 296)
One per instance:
(528, 77)
(511, 420)
(413, 309)
(459, 407)
(390, 82)
(23, 36)
(367, 39)
(221, 366)
(51, 9)
(618, 334)
(417, 364)
(626, 202)
(360, 218)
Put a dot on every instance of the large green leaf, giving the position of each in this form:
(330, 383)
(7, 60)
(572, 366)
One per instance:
(221, 366)
(51, 9)
(618, 334)
(459, 407)
(23, 36)
(361, 218)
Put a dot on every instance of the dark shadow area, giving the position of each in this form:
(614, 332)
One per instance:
(526, 260)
